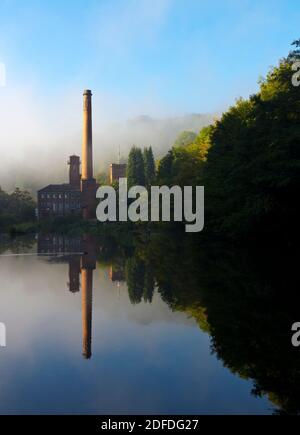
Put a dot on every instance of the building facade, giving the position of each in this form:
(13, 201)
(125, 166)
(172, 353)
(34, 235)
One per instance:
(59, 200)
(117, 171)
(78, 197)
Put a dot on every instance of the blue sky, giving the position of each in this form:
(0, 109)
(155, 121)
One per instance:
(188, 56)
(161, 58)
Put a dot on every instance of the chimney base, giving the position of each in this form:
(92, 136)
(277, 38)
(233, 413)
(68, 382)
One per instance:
(88, 195)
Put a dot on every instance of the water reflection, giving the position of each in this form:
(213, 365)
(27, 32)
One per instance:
(244, 302)
(84, 264)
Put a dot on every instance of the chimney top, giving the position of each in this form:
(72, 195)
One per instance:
(87, 92)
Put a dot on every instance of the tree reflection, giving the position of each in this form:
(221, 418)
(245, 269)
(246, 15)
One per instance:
(247, 302)
(140, 280)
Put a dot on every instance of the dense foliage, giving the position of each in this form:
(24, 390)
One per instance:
(248, 161)
(185, 138)
(149, 166)
(140, 167)
(16, 207)
(253, 167)
(135, 168)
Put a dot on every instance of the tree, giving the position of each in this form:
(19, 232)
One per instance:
(135, 278)
(295, 54)
(203, 142)
(165, 169)
(149, 165)
(248, 161)
(102, 179)
(135, 168)
(185, 138)
(252, 172)
(149, 283)
(17, 207)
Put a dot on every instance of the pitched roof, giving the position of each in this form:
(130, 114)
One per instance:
(59, 188)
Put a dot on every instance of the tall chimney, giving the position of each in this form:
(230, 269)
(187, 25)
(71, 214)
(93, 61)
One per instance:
(88, 183)
(87, 139)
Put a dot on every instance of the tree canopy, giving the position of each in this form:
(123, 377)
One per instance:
(248, 161)
(149, 166)
(16, 207)
(135, 168)
(185, 138)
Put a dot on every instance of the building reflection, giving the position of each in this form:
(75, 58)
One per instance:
(116, 274)
(80, 254)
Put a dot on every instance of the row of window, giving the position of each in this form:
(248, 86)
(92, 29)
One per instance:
(60, 206)
(56, 195)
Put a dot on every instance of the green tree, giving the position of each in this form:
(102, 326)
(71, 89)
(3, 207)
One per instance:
(295, 54)
(102, 179)
(252, 173)
(203, 142)
(185, 138)
(248, 161)
(135, 168)
(135, 278)
(149, 165)
(17, 207)
(165, 169)
(149, 283)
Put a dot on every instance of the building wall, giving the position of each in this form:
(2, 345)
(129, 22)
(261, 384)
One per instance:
(74, 172)
(117, 171)
(59, 203)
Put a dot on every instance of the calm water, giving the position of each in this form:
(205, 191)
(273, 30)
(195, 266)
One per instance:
(154, 328)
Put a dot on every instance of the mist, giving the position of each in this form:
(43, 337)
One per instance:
(38, 133)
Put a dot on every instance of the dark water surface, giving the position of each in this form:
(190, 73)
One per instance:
(155, 328)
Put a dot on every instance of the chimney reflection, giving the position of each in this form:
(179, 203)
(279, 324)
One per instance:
(87, 305)
(80, 254)
(88, 264)
(74, 273)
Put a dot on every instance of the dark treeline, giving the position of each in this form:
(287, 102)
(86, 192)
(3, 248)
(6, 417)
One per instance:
(248, 161)
(17, 207)
(245, 301)
(140, 167)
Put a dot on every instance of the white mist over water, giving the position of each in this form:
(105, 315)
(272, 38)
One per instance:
(38, 134)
